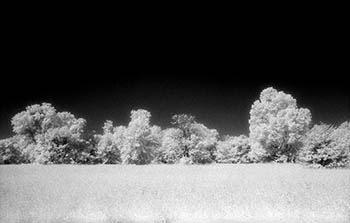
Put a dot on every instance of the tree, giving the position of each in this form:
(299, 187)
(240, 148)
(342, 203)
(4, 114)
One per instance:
(110, 143)
(63, 142)
(141, 141)
(202, 143)
(341, 145)
(53, 137)
(277, 126)
(188, 142)
(184, 123)
(233, 150)
(327, 146)
(171, 149)
(10, 151)
(34, 121)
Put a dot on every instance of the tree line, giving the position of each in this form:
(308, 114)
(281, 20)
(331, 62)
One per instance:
(279, 131)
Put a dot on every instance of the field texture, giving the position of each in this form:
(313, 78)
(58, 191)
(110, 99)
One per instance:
(173, 193)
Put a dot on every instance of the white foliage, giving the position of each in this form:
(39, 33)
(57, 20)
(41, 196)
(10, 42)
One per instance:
(202, 143)
(141, 139)
(51, 136)
(233, 150)
(110, 143)
(171, 146)
(276, 123)
(135, 144)
(327, 146)
(199, 144)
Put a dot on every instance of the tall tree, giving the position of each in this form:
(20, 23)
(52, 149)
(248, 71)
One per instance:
(53, 137)
(277, 125)
(110, 143)
(184, 123)
(141, 139)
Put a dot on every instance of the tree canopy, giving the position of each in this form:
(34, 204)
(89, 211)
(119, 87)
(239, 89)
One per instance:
(279, 131)
(277, 125)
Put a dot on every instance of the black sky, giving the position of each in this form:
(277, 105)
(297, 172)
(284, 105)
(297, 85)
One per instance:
(78, 68)
(220, 100)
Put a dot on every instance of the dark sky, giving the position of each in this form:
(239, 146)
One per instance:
(75, 65)
(220, 100)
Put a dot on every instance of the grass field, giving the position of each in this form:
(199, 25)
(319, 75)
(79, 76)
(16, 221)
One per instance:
(173, 193)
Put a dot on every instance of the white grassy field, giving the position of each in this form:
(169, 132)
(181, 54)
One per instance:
(173, 193)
